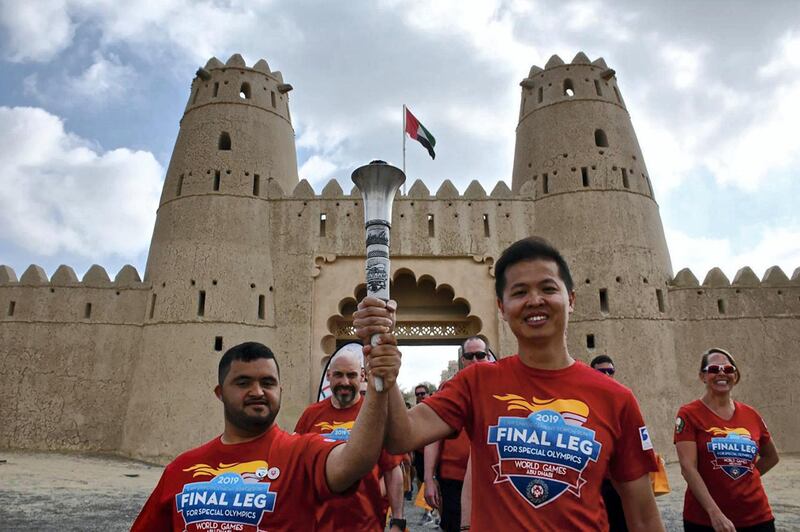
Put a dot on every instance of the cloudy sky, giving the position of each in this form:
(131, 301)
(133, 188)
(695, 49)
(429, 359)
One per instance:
(91, 93)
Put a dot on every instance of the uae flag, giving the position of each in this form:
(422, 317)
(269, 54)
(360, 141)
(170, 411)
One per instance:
(418, 132)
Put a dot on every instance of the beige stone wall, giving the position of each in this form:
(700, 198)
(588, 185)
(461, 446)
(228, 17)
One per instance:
(65, 369)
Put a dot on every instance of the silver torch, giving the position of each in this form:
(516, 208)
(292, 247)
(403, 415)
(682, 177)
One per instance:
(378, 183)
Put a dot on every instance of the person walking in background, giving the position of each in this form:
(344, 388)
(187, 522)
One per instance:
(613, 504)
(446, 460)
(333, 418)
(724, 448)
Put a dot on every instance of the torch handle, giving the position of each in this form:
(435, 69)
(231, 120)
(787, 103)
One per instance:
(378, 267)
(378, 380)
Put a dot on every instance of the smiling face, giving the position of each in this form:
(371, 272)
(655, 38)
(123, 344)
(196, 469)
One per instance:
(251, 395)
(719, 383)
(536, 303)
(345, 376)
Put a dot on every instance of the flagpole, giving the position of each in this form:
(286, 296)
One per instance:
(404, 147)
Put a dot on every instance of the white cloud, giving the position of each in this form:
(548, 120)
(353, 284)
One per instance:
(786, 59)
(317, 170)
(767, 144)
(105, 79)
(39, 31)
(35, 31)
(59, 194)
(684, 64)
(776, 246)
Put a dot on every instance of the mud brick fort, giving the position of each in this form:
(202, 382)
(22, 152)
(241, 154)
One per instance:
(244, 250)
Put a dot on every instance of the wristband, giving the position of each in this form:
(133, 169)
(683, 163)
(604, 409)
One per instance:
(399, 523)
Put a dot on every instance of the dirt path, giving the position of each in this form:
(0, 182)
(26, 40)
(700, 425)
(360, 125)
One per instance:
(49, 491)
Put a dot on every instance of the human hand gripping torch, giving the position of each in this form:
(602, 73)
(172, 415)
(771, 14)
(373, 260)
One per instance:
(378, 183)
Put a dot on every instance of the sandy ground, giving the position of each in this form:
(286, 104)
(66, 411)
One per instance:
(49, 491)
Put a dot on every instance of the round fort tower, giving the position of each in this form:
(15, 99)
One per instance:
(210, 266)
(578, 157)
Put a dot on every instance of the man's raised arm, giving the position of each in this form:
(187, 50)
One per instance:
(349, 462)
(407, 429)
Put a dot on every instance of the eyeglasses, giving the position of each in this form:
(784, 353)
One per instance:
(420, 394)
(727, 369)
(480, 355)
(607, 371)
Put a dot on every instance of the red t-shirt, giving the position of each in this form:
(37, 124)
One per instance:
(542, 442)
(454, 457)
(265, 484)
(726, 456)
(366, 508)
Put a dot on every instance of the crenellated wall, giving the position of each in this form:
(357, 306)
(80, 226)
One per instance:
(66, 352)
(758, 321)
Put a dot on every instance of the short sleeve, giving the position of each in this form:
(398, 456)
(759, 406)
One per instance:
(633, 452)
(685, 429)
(766, 437)
(453, 401)
(156, 514)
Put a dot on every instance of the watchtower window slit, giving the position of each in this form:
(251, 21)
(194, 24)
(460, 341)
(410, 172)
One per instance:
(604, 301)
(201, 303)
(244, 91)
(224, 141)
(600, 138)
(569, 88)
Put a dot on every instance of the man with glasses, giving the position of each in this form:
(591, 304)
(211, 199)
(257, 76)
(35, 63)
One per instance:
(421, 392)
(603, 364)
(446, 460)
(611, 499)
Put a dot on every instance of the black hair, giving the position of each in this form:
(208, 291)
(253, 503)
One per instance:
(530, 248)
(601, 359)
(423, 385)
(246, 352)
(711, 351)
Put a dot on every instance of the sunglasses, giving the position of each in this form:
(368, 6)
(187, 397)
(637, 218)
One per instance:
(607, 371)
(727, 369)
(420, 394)
(480, 355)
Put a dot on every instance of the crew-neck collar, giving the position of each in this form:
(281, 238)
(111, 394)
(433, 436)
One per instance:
(265, 434)
(545, 373)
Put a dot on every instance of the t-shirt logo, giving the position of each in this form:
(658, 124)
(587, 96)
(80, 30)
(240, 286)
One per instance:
(733, 449)
(544, 454)
(235, 495)
(335, 430)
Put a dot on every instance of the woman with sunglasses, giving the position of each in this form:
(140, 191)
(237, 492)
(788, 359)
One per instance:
(724, 448)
